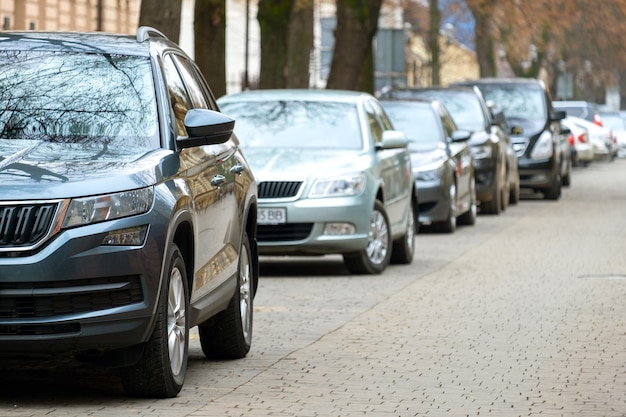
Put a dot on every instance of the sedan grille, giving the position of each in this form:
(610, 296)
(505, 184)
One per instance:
(25, 224)
(283, 232)
(279, 189)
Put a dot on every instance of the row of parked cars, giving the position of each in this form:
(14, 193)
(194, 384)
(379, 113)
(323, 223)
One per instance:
(131, 213)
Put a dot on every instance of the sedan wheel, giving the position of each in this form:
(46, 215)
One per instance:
(404, 247)
(376, 256)
(449, 225)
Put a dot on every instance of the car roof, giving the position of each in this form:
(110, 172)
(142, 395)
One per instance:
(531, 82)
(77, 42)
(296, 94)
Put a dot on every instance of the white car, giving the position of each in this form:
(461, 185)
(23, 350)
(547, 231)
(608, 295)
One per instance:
(601, 138)
(581, 142)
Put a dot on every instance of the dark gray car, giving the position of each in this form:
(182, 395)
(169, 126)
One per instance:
(495, 161)
(128, 213)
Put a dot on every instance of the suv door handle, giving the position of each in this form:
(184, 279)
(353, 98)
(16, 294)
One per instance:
(218, 180)
(237, 169)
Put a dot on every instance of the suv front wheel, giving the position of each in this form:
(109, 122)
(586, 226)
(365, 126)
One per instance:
(160, 372)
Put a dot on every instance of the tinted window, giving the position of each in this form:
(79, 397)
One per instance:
(295, 124)
(418, 121)
(179, 99)
(77, 98)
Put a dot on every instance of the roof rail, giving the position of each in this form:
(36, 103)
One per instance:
(144, 32)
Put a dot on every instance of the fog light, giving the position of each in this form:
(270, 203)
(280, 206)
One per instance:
(339, 229)
(133, 236)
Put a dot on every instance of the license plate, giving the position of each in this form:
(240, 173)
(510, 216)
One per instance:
(272, 216)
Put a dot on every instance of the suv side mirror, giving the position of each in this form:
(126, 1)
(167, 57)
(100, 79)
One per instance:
(556, 115)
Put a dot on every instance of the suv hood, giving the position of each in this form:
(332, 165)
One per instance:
(45, 170)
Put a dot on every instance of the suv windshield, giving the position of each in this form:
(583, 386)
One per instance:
(77, 98)
(518, 102)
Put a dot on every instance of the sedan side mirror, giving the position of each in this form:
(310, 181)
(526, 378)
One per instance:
(556, 115)
(460, 135)
(393, 139)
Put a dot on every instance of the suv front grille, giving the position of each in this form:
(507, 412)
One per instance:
(23, 225)
(279, 189)
(57, 298)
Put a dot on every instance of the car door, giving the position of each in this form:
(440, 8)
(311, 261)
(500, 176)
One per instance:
(209, 172)
(395, 166)
(462, 157)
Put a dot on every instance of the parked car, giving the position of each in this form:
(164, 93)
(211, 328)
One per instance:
(544, 161)
(578, 108)
(128, 211)
(334, 176)
(495, 161)
(579, 138)
(613, 120)
(442, 162)
(601, 139)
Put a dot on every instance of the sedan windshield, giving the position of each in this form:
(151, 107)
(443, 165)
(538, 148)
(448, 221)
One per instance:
(77, 98)
(519, 103)
(295, 124)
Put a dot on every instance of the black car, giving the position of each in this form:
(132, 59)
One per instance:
(128, 212)
(543, 151)
(495, 161)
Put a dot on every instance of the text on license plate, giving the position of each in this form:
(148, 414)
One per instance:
(272, 216)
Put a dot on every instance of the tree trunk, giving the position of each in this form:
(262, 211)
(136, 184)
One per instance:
(299, 44)
(210, 42)
(163, 16)
(433, 41)
(273, 17)
(483, 10)
(357, 23)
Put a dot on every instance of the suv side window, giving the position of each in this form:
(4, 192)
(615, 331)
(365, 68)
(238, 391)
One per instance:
(179, 98)
(194, 88)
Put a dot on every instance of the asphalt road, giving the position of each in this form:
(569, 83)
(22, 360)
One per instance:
(521, 314)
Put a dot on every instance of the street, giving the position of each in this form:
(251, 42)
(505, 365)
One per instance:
(519, 315)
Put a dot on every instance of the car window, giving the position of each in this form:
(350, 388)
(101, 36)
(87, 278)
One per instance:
(77, 98)
(374, 122)
(418, 121)
(465, 109)
(295, 124)
(179, 98)
(194, 88)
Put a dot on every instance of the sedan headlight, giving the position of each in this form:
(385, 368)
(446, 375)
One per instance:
(343, 186)
(543, 146)
(88, 210)
(428, 172)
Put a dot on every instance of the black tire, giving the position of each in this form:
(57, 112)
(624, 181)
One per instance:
(404, 247)
(493, 206)
(377, 255)
(469, 217)
(228, 335)
(449, 224)
(514, 194)
(567, 178)
(554, 191)
(161, 370)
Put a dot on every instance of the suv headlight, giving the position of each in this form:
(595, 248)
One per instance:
(543, 146)
(88, 210)
(343, 186)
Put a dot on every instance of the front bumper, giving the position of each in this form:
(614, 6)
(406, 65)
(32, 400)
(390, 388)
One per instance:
(537, 173)
(77, 294)
(434, 201)
(303, 232)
